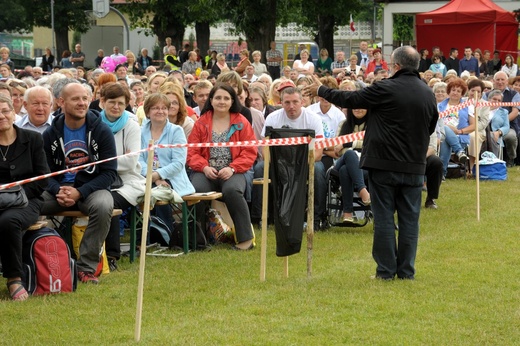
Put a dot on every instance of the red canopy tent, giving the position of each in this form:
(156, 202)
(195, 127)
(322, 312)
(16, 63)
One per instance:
(474, 23)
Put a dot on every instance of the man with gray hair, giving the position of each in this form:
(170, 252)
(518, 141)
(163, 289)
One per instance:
(500, 82)
(394, 153)
(38, 102)
(37, 72)
(56, 92)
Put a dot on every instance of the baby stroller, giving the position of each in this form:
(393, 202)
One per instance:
(362, 213)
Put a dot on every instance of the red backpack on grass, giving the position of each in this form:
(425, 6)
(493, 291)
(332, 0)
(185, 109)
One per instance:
(48, 265)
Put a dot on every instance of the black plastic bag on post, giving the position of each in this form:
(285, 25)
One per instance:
(289, 171)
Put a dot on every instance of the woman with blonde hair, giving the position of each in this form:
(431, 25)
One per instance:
(152, 86)
(353, 67)
(177, 114)
(324, 62)
(304, 66)
(155, 81)
(220, 66)
(131, 64)
(18, 89)
(286, 72)
(259, 67)
(274, 95)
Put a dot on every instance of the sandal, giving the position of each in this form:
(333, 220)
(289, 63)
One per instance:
(367, 201)
(18, 294)
(348, 218)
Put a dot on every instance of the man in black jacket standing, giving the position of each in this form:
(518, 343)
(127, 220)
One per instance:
(403, 114)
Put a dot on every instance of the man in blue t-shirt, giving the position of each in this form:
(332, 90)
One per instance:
(77, 137)
(469, 63)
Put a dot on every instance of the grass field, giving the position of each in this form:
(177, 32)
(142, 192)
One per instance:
(466, 290)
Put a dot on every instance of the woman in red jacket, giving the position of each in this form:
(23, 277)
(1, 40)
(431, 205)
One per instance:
(222, 168)
(378, 62)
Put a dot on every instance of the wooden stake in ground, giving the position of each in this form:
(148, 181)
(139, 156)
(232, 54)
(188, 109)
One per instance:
(477, 158)
(310, 208)
(265, 191)
(142, 259)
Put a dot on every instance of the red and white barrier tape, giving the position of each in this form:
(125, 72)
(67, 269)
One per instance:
(269, 142)
(319, 144)
(479, 104)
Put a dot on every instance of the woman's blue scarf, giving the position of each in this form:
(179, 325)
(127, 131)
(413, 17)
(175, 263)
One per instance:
(117, 125)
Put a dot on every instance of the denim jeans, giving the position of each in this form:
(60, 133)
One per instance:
(450, 144)
(391, 192)
(350, 177)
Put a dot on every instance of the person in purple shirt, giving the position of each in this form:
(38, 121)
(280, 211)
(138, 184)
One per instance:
(469, 63)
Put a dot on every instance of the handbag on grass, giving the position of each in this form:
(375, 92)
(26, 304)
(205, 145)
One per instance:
(13, 197)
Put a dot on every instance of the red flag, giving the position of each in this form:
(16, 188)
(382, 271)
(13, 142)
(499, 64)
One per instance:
(352, 28)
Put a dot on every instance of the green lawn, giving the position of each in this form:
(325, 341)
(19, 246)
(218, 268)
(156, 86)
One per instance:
(466, 291)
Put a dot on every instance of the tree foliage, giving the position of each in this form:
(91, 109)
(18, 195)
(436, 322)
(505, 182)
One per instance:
(166, 18)
(21, 15)
(321, 18)
(403, 28)
(14, 16)
(163, 18)
(69, 14)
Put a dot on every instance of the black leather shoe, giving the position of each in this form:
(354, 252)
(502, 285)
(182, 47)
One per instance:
(430, 204)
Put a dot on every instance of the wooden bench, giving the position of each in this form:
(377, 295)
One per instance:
(69, 215)
(37, 225)
(260, 181)
(188, 215)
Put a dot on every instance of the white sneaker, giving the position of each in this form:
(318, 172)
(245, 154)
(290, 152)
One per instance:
(463, 158)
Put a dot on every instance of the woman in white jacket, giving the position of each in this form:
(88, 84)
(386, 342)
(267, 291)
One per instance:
(127, 134)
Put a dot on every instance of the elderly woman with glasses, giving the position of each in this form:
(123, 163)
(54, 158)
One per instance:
(21, 157)
(168, 163)
(439, 89)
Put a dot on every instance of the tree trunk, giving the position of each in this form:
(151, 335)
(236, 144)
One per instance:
(62, 42)
(326, 33)
(260, 38)
(202, 31)
(174, 29)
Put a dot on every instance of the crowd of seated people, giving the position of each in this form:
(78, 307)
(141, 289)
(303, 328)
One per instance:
(83, 115)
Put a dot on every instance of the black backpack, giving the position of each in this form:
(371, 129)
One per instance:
(159, 232)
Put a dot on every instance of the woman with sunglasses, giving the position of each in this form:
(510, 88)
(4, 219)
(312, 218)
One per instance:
(18, 89)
